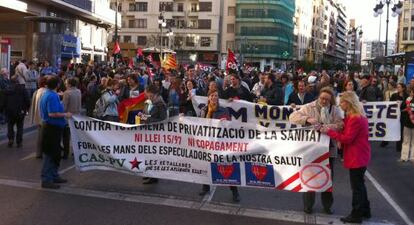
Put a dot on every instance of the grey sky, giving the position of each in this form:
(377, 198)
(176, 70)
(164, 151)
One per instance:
(362, 11)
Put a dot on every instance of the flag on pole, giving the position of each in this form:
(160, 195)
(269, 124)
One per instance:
(131, 63)
(140, 55)
(117, 49)
(232, 63)
(170, 62)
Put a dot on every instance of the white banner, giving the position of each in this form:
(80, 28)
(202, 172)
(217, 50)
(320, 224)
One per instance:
(383, 117)
(206, 151)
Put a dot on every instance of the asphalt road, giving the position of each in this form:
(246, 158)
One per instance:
(102, 197)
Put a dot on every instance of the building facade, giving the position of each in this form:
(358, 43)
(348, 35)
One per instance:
(371, 50)
(405, 37)
(195, 26)
(354, 44)
(79, 29)
(303, 30)
(264, 32)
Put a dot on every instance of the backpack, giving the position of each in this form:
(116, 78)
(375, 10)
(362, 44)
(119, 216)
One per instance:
(100, 108)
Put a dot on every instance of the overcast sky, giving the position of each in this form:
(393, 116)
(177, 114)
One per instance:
(363, 12)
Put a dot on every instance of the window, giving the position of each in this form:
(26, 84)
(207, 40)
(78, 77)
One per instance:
(180, 7)
(405, 33)
(192, 24)
(178, 41)
(165, 41)
(190, 41)
(131, 23)
(141, 23)
(141, 6)
(205, 6)
(231, 11)
(127, 39)
(142, 40)
(131, 6)
(194, 7)
(412, 33)
(205, 42)
(406, 15)
(230, 28)
(166, 6)
(204, 24)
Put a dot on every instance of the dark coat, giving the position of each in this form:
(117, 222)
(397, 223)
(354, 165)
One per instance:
(274, 95)
(240, 93)
(370, 94)
(17, 101)
(158, 111)
(294, 98)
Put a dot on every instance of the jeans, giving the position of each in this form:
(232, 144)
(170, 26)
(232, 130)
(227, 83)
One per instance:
(18, 121)
(49, 169)
(360, 203)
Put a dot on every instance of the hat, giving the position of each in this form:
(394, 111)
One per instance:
(311, 79)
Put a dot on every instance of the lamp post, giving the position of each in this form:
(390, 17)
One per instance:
(162, 23)
(353, 31)
(396, 10)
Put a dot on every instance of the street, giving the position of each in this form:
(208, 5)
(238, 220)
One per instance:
(100, 197)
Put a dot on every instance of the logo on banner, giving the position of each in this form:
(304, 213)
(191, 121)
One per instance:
(258, 174)
(314, 176)
(226, 173)
(135, 165)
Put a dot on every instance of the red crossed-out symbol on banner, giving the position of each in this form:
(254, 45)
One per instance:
(314, 176)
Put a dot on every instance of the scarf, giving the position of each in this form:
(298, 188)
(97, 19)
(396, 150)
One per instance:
(325, 115)
(211, 109)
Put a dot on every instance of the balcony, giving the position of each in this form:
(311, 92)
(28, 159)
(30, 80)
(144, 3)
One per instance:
(83, 4)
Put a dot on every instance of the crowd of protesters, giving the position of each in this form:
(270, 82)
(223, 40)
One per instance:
(99, 88)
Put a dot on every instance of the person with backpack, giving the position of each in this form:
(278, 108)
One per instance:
(106, 107)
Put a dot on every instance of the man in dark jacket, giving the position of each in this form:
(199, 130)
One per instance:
(17, 104)
(300, 96)
(271, 94)
(370, 92)
(236, 90)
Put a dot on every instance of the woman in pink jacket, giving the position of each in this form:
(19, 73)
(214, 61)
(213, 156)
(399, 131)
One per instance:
(357, 153)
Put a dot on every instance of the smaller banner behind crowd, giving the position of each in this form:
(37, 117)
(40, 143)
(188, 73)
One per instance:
(383, 117)
(206, 151)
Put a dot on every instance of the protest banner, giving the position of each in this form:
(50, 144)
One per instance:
(206, 151)
(383, 117)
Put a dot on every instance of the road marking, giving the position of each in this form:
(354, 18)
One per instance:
(31, 155)
(209, 196)
(173, 201)
(391, 201)
(66, 169)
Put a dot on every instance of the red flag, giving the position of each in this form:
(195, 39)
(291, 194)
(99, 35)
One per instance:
(231, 61)
(139, 52)
(117, 49)
(150, 73)
(131, 63)
(129, 105)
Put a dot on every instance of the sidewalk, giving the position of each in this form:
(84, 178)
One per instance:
(27, 127)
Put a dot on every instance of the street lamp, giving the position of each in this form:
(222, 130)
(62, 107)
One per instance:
(163, 24)
(353, 31)
(396, 10)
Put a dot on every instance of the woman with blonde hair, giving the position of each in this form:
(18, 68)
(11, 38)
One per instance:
(357, 153)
